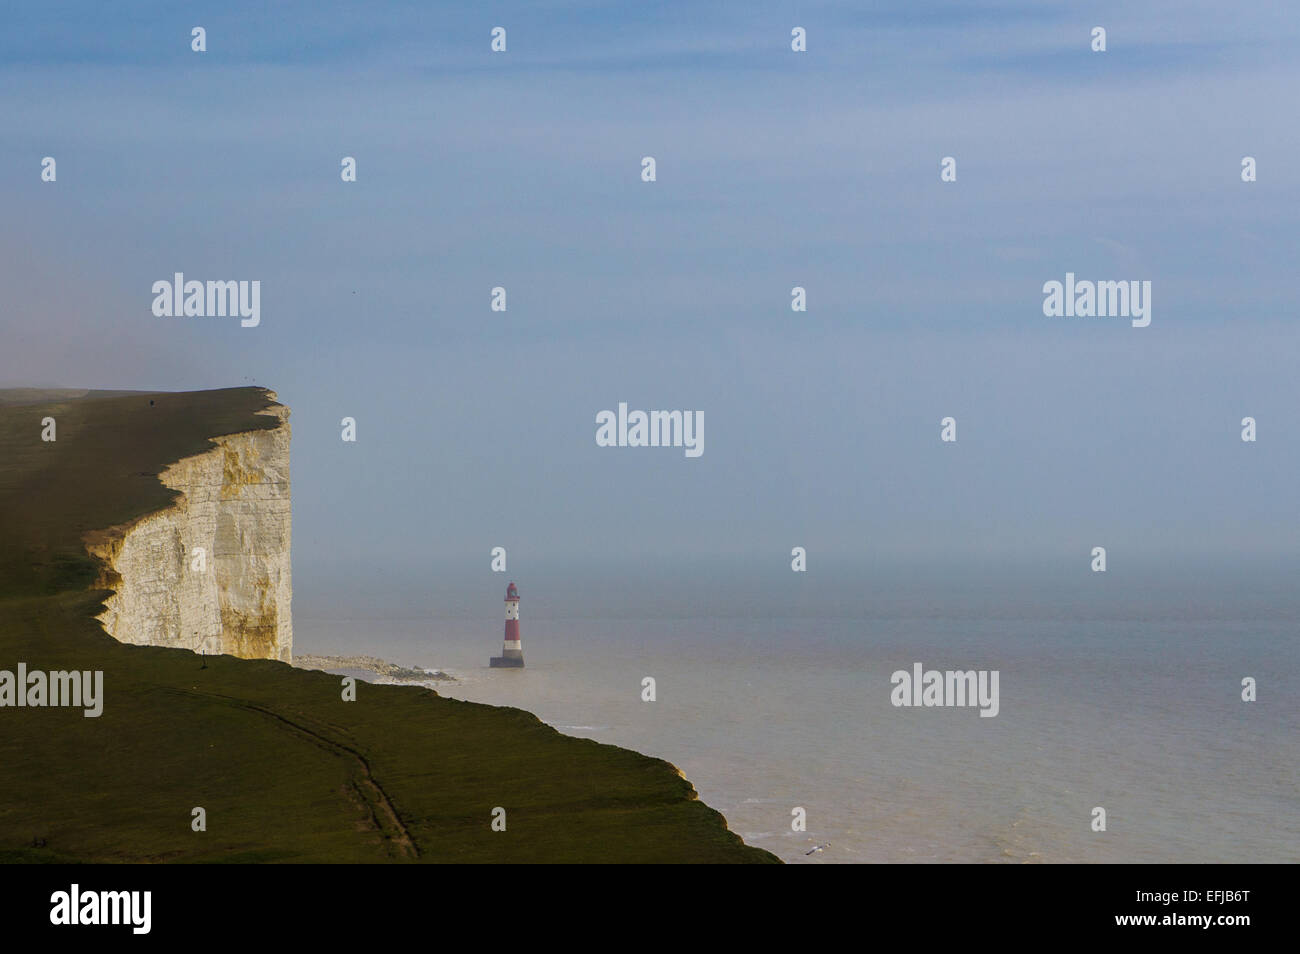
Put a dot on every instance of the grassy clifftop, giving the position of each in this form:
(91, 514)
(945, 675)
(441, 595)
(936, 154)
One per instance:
(285, 770)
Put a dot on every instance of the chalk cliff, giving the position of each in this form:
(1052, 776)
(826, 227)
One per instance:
(235, 595)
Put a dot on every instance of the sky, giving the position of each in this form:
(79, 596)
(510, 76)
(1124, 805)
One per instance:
(774, 169)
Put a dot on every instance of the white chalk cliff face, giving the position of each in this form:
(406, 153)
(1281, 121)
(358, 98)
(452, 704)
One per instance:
(235, 506)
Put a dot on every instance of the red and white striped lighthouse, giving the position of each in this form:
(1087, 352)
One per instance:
(512, 653)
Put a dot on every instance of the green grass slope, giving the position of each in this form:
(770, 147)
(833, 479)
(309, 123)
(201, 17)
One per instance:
(285, 769)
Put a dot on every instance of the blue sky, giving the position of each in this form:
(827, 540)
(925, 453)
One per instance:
(775, 169)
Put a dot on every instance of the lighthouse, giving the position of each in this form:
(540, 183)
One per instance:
(512, 652)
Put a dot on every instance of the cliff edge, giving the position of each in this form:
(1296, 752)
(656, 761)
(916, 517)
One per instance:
(211, 572)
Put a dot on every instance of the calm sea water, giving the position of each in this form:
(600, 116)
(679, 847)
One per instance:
(1127, 701)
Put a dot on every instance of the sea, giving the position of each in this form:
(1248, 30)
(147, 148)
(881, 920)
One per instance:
(773, 694)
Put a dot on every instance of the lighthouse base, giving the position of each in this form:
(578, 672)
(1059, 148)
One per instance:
(511, 659)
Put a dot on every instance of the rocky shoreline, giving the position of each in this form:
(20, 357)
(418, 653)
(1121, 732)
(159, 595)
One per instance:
(380, 667)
